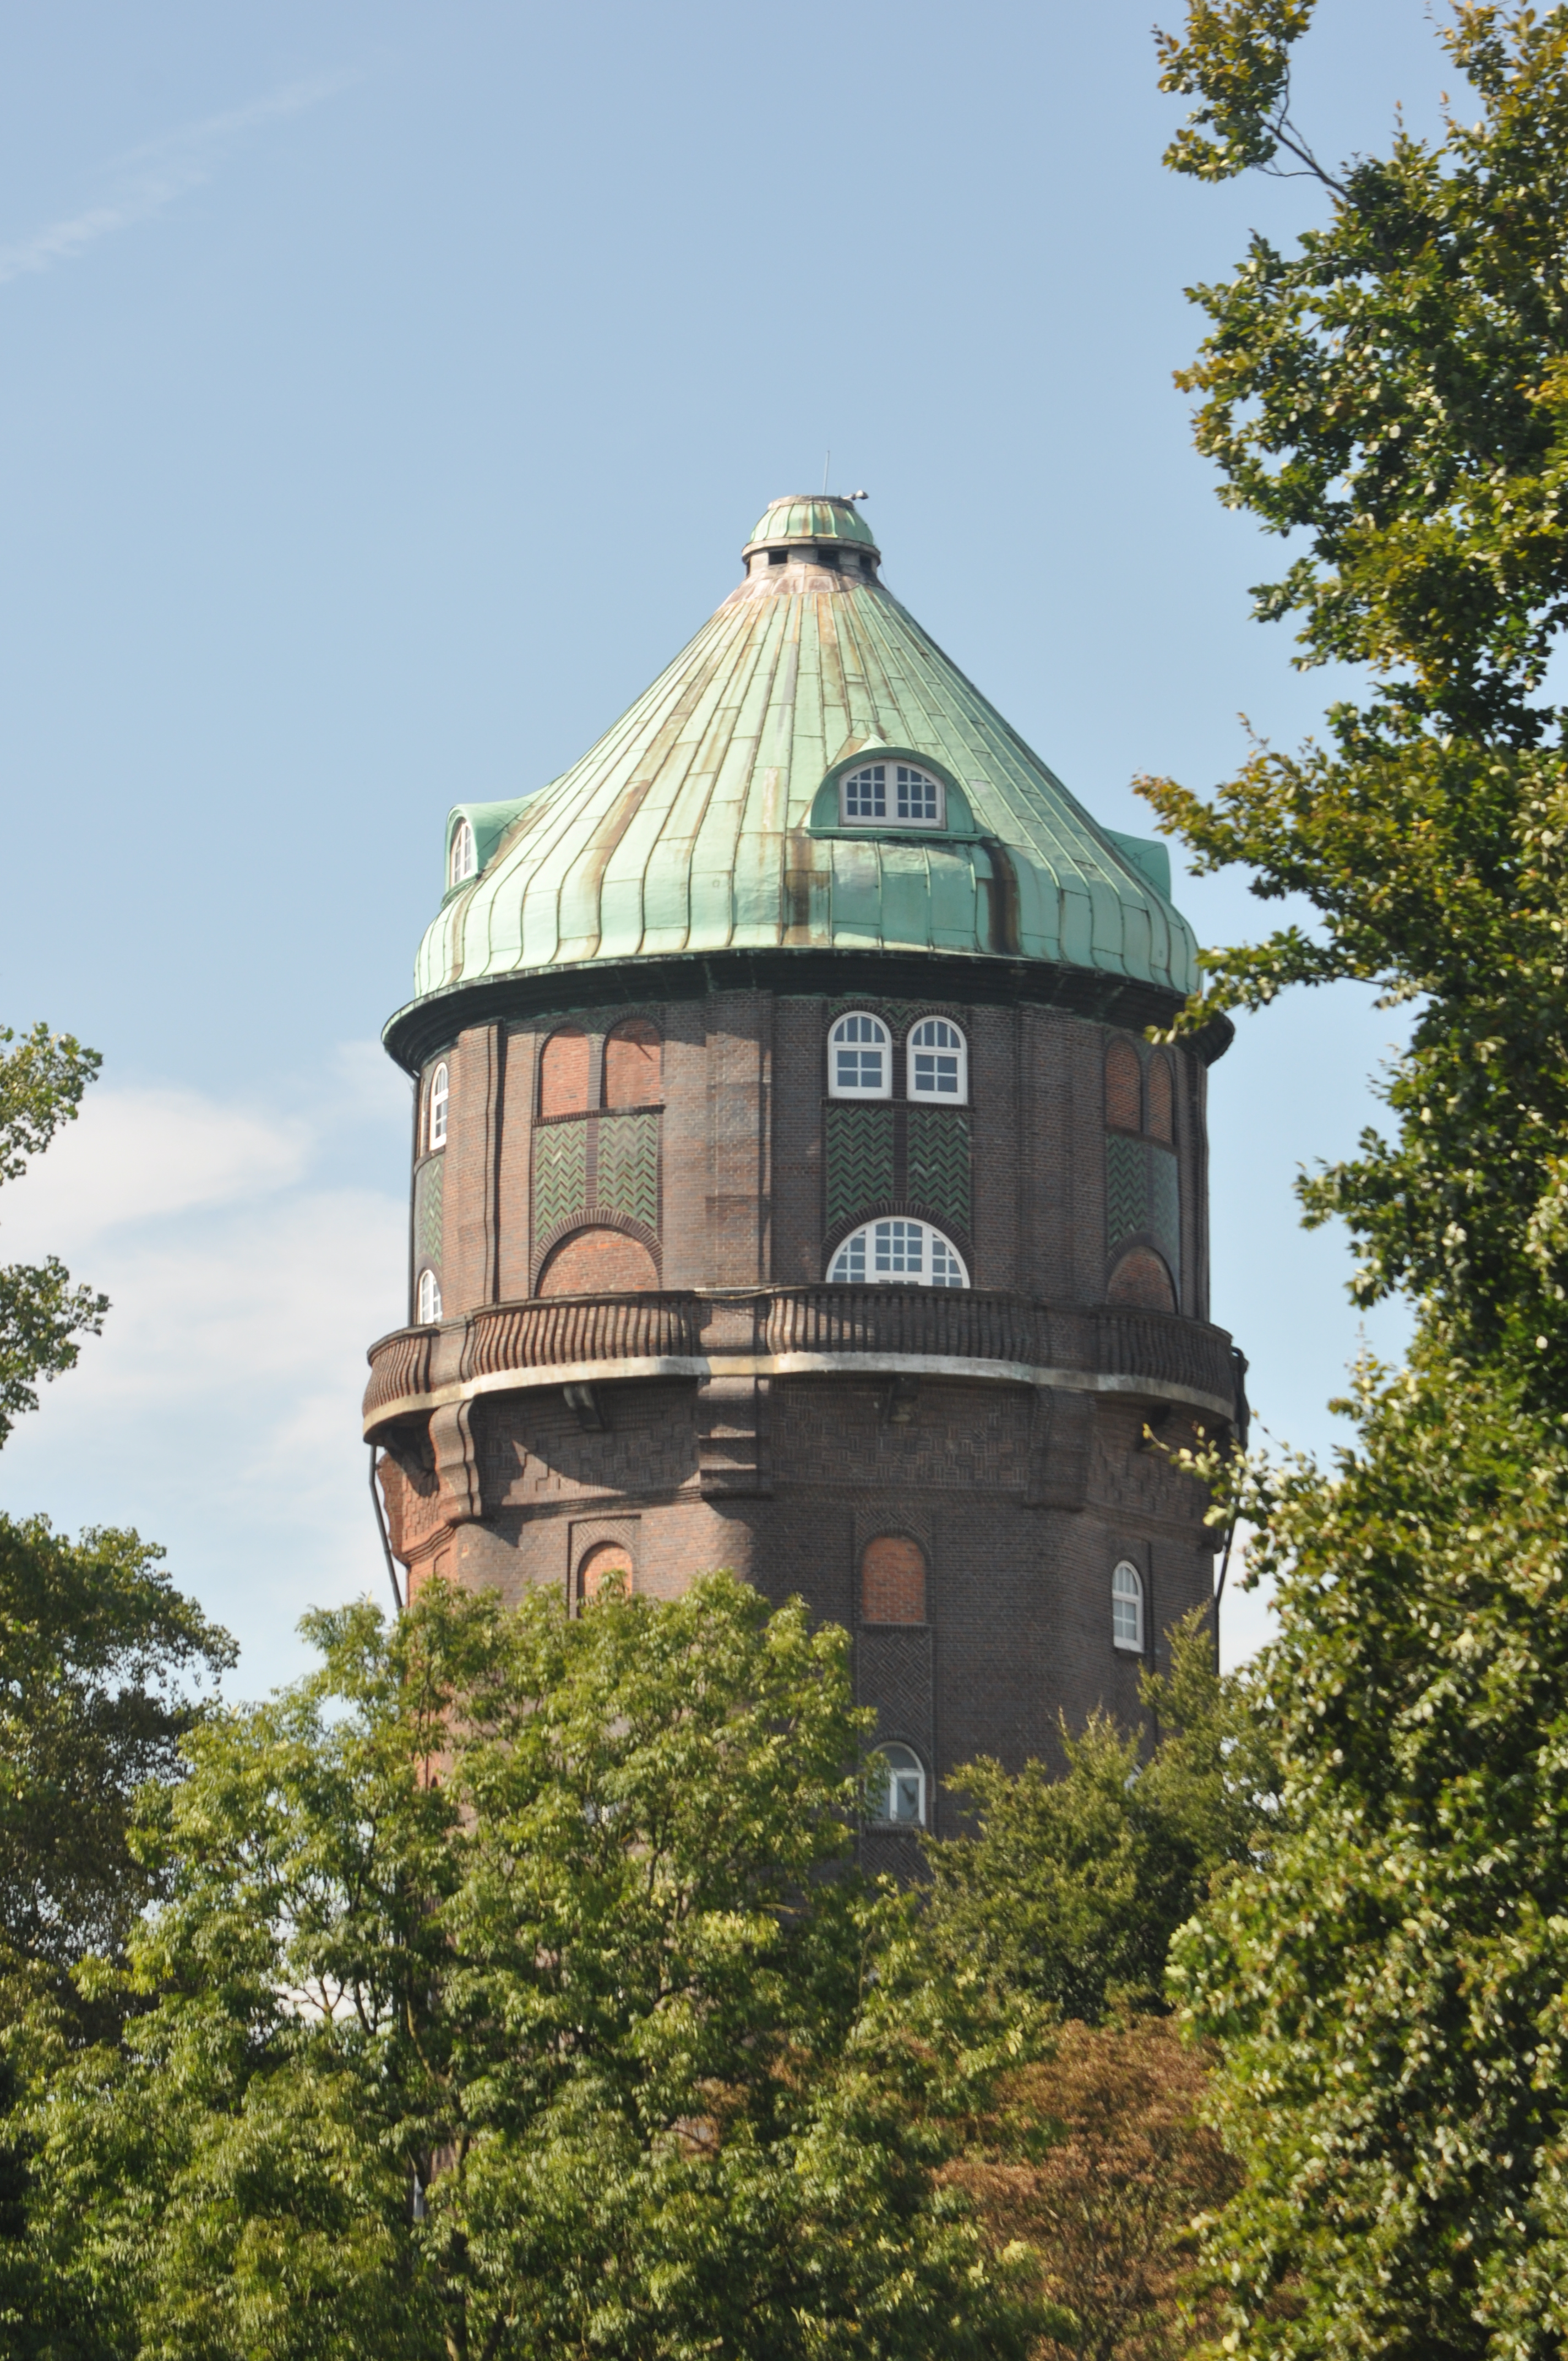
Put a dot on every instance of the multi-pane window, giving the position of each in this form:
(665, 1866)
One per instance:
(1127, 1607)
(429, 1297)
(907, 1253)
(439, 1095)
(860, 1059)
(937, 1060)
(895, 792)
(464, 858)
(895, 1790)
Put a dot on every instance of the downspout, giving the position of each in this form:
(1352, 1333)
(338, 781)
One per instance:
(381, 1529)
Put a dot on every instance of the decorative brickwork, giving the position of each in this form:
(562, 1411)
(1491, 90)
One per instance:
(1140, 1278)
(564, 1073)
(626, 1167)
(1142, 1200)
(1161, 1119)
(601, 1563)
(859, 1156)
(1123, 1086)
(429, 1190)
(560, 1175)
(631, 1062)
(938, 1165)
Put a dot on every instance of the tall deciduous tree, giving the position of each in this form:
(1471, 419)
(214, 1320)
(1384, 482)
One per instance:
(1387, 1989)
(1392, 394)
(513, 1999)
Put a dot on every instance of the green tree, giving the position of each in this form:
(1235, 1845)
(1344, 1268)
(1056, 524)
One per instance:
(1389, 1990)
(513, 1997)
(42, 1313)
(1386, 1986)
(103, 1666)
(1069, 1886)
(1392, 394)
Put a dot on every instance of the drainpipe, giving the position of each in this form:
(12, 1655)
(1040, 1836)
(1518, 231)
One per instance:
(381, 1530)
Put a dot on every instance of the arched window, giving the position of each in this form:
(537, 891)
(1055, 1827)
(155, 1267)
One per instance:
(464, 858)
(632, 1064)
(1161, 1124)
(606, 1561)
(564, 1073)
(1141, 1281)
(938, 1062)
(908, 1254)
(860, 1059)
(1123, 1086)
(895, 1789)
(1127, 1607)
(601, 1261)
(893, 1581)
(429, 1297)
(891, 795)
(439, 1095)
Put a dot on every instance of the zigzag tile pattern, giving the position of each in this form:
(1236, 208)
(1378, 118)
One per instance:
(1142, 1196)
(938, 1162)
(1164, 1206)
(1126, 1189)
(429, 1194)
(629, 1166)
(560, 1173)
(859, 1156)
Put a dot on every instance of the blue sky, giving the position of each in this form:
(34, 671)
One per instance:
(385, 394)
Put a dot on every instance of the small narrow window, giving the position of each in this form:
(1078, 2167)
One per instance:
(909, 1254)
(895, 1790)
(429, 1298)
(439, 1095)
(860, 1059)
(464, 858)
(938, 1062)
(1127, 1607)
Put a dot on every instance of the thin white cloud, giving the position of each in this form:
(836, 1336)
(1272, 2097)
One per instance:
(150, 178)
(219, 1410)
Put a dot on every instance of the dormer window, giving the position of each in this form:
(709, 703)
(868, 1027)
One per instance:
(896, 795)
(463, 860)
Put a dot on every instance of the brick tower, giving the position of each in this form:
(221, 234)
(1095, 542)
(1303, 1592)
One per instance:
(794, 1188)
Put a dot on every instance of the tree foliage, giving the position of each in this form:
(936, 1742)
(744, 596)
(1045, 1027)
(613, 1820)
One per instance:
(510, 1998)
(1096, 2160)
(1068, 1887)
(1388, 1989)
(1392, 395)
(42, 1313)
(102, 1665)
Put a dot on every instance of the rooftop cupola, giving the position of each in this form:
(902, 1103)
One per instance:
(814, 529)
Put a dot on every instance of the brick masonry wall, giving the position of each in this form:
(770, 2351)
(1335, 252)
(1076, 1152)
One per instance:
(1017, 1625)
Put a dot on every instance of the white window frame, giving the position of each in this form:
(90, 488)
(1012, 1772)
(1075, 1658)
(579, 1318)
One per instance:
(1127, 1607)
(462, 855)
(941, 1046)
(882, 1036)
(429, 1304)
(440, 1098)
(888, 786)
(897, 1776)
(884, 1261)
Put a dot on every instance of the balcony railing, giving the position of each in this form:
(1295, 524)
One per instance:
(1107, 1347)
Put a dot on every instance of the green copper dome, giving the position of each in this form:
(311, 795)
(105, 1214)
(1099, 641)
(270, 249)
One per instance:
(709, 818)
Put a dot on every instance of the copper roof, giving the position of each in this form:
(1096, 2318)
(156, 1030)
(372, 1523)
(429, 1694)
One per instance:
(706, 818)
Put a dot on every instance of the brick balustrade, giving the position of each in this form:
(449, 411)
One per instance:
(802, 1327)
